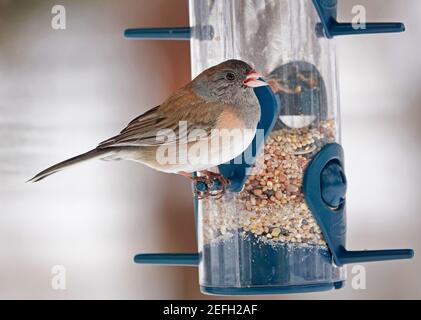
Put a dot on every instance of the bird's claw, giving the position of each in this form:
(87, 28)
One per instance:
(210, 184)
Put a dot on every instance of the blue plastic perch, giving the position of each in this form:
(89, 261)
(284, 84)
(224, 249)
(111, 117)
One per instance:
(181, 33)
(346, 257)
(178, 259)
(327, 11)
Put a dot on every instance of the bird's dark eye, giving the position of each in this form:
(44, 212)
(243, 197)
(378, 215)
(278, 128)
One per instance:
(230, 76)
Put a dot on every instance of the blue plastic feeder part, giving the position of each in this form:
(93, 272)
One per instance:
(201, 186)
(176, 259)
(324, 190)
(179, 33)
(327, 10)
(183, 33)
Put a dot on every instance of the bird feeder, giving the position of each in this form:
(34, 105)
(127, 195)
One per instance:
(281, 226)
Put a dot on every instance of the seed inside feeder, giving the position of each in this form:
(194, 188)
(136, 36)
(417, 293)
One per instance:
(272, 205)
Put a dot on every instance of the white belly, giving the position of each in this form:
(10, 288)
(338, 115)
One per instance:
(221, 147)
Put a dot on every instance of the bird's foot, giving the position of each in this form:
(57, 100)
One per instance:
(218, 184)
(208, 184)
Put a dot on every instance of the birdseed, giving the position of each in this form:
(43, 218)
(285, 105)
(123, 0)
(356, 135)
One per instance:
(272, 205)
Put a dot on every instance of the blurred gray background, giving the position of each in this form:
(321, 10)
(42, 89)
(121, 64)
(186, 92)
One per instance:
(61, 92)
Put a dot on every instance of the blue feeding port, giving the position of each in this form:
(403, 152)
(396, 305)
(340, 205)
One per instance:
(324, 189)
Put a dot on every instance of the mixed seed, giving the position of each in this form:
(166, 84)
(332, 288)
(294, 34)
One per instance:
(272, 205)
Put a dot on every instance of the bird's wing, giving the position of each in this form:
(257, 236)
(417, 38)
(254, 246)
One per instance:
(170, 123)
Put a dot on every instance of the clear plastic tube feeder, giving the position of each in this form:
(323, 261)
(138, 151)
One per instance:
(280, 227)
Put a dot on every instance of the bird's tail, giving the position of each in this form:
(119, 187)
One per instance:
(93, 154)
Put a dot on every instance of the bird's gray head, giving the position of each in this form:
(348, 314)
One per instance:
(230, 82)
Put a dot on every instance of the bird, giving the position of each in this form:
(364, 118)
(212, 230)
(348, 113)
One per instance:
(193, 130)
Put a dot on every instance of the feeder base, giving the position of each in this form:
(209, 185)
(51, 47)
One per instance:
(232, 291)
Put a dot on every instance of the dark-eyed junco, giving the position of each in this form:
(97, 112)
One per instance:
(209, 121)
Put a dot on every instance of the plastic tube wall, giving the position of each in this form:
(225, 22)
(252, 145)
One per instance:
(265, 236)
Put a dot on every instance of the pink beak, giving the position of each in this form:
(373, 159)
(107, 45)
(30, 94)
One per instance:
(252, 80)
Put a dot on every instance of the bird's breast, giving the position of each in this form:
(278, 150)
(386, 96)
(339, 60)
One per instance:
(232, 135)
